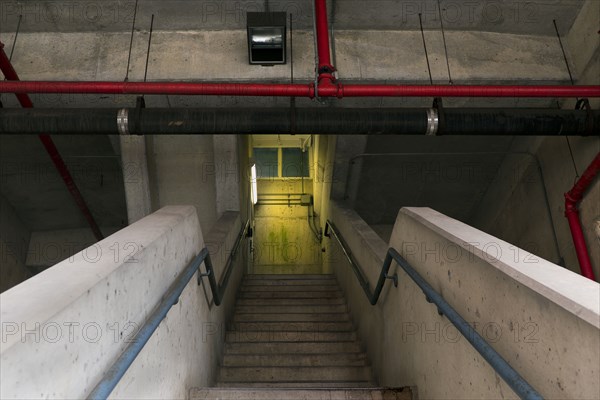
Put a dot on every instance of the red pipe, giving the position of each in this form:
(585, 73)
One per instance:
(297, 90)
(181, 88)
(322, 28)
(463, 91)
(326, 82)
(572, 199)
(10, 74)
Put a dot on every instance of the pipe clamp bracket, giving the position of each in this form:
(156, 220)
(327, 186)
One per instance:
(433, 122)
(123, 121)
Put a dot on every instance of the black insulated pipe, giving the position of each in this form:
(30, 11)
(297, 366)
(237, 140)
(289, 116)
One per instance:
(348, 121)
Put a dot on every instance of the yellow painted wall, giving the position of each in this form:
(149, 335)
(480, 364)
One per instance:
(283, 241)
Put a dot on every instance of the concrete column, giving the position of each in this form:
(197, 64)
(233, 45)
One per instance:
(227, 178)
(183, 172)
(135, 177)
(14, 242)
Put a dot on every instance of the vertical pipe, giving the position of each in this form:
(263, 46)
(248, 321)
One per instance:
(323, 37)
(583, 256)
(572, 199)
(10, 74)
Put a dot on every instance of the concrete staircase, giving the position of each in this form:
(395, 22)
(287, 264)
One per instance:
(293, 331)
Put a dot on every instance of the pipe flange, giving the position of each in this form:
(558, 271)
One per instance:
(340, 91)
(311, 90)
(123, 121)
(433, 122)
(438, 105)
(326, 69)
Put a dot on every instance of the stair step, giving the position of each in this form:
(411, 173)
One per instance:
(291, 309)
(324, 301)
(342, 326)
(293, 348)
(296, 374)
(245, 287)
(288, 276)
(295, 360)
(309, 317)
(291, 282)
(288, 294)
(295, 384)
(249, 337)
(285, 394)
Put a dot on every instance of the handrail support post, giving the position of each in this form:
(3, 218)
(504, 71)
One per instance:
(394, 278)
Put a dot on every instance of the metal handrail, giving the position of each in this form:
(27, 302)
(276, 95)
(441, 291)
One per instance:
(114, 374)
(373, 296)
(218, 290)
(516, 382)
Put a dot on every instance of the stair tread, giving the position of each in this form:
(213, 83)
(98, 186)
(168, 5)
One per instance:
(289, 288)
(317, 370)
(291, 308)
(295, 374)
(287, 294)
(374, 393)
(297, 317)
(293, 348)
(297, 326)
(288, 336)
(294, 384)
(298, 360)
(314, 301)
(288, 276)
(289, 282)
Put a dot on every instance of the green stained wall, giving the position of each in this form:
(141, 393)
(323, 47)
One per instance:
(283, 240)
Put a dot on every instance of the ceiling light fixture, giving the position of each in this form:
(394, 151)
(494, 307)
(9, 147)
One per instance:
(266, 38)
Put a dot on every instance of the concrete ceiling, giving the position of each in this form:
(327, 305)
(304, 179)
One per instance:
(530, 17)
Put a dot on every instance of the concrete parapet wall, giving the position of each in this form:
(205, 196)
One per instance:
(543, 319)
(63, 328)
(369, 250)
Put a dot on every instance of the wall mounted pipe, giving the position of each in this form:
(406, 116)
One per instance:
(386, 121)
(11, 75)
(572, 199)
(325, 68)
(297, 90)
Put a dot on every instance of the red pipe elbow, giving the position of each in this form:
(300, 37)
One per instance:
(572, 199)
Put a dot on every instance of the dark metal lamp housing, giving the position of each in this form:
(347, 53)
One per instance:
(266, 37)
